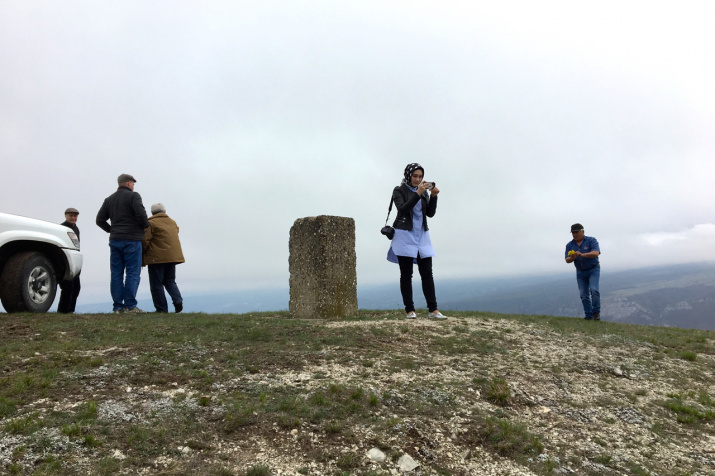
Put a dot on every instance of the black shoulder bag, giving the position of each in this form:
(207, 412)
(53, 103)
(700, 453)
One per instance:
(388, 231)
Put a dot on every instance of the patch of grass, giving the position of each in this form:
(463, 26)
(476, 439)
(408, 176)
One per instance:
(689, 356)
(240, 415)
(221, 471)
(347, 461)
(147, 440)
(24, 426)
(705, 399)
(333, 428)
(88, 411)
(688, 414)
(637, 470)
(7, 405)
(48, 467)
(600, 441)
(498, 391)
(71, 430)
(506, 438)
(91, 441)
(603, 459)
(14, 468)
(109, 466)
(258, 470)
(399, 363)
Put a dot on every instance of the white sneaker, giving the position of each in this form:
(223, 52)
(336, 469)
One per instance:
(411, 315)
(436, 315)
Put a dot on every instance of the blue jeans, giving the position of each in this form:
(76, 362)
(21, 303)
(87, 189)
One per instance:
(125, 255)
(588, 288)
(163, 275)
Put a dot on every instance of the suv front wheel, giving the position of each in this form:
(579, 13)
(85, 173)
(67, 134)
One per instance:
(28, 283)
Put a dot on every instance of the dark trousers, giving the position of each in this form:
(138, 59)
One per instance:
(162, 276)
(424, 265)
(68, 296)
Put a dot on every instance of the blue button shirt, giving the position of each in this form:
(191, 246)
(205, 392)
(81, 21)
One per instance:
(412, 242)
(588, 244)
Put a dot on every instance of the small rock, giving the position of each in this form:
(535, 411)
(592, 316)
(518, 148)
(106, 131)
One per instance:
(129, 389)
(406, 463)
(118, 455)
(294, 432)
(376, 455)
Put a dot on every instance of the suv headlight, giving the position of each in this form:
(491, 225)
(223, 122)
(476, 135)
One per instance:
(74, 238)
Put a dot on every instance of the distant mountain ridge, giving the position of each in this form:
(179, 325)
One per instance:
(674, 296)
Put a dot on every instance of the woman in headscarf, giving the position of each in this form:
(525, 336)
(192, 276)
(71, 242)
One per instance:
(411, 243)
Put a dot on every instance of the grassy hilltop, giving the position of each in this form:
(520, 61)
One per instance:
(262, 394)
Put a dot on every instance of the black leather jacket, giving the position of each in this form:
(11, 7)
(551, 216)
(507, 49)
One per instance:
(405, 200)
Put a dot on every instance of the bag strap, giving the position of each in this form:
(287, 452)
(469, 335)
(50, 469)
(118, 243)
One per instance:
(389, 210)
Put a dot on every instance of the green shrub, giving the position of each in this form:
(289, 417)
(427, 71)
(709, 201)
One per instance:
(498, 391)
(505, 438)
(258, 470)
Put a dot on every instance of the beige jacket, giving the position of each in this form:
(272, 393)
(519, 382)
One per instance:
(161, 241)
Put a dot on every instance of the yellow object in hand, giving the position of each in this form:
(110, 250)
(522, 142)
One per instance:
(572, 252)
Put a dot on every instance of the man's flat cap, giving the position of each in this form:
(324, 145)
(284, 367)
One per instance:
(125, 178)
(72, 210)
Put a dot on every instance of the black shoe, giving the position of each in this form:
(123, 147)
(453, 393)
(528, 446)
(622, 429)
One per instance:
(178, 307)
(596, 316)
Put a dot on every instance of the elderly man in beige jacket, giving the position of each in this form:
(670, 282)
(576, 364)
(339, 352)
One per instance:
(162, 252)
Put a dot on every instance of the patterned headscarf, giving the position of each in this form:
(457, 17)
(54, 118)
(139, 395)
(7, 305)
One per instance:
(408, 173)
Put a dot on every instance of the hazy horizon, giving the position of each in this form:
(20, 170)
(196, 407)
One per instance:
(242, 117)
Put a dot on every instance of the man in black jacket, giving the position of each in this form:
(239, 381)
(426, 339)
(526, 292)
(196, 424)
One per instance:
(70, 289)
(128, 221)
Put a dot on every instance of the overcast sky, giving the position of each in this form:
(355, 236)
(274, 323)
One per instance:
(243, 116)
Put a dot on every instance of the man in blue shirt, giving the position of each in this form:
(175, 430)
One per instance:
(583, 252)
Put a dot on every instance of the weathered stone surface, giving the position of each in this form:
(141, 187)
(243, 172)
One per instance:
(376, 455)
(406, 463)
(323, 280)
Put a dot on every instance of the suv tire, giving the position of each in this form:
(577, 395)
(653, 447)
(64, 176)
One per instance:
(28, 283)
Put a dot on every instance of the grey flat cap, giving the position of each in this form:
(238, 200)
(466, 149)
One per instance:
(125, 178)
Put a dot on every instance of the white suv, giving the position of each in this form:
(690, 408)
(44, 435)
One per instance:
(34, 254)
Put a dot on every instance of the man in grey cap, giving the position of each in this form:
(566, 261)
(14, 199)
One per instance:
(128, 221)
(70, 289)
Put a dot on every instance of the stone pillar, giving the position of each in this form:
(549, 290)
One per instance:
(323, 280)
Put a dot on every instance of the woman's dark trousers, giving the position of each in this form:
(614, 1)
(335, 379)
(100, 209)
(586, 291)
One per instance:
(162, 276)
(424, 265)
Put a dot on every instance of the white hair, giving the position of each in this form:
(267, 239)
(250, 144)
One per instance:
(158, 208)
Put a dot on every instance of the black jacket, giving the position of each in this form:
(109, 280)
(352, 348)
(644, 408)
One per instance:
(405, 200)
(71, 226)
(126, 211)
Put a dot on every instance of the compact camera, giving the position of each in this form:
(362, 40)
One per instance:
(388, 231)
(430, 185)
